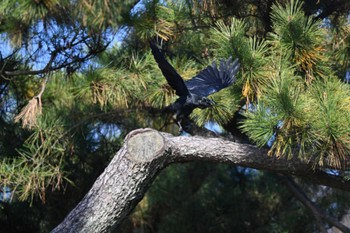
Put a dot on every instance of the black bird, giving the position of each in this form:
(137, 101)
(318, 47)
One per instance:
(193, 93)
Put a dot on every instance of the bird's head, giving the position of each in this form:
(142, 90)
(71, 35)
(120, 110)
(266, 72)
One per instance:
(205, 102)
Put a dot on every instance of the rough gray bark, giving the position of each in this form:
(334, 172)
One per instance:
(145, 152)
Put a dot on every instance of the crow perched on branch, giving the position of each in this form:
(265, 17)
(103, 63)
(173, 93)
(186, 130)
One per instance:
(193, 93)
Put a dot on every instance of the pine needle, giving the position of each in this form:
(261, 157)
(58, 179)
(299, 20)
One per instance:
(32, 110)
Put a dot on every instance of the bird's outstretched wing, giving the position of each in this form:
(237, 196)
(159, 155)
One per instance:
(173, 78)
(212, 79)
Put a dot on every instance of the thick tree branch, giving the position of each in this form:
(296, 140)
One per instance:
(146, 152)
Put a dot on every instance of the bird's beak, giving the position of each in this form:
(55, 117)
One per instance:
(205, 103)
(211, 102)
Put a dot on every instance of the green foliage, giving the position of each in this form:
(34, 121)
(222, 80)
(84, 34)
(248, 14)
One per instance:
(17, 16)
(328, 113)
(230, 38)
(251, 51)
(164, 21)
(260, 124)
(113, 87)
(301, 37)
(293, 115)
(103, 14)
(338, 45)
(38, 165)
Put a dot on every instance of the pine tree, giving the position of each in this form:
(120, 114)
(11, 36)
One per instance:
(70, 93)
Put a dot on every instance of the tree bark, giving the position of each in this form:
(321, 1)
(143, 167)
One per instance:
(145, 152)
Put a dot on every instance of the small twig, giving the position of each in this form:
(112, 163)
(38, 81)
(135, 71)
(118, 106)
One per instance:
(43, 86)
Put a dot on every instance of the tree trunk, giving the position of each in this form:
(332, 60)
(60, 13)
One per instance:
(145, 152)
